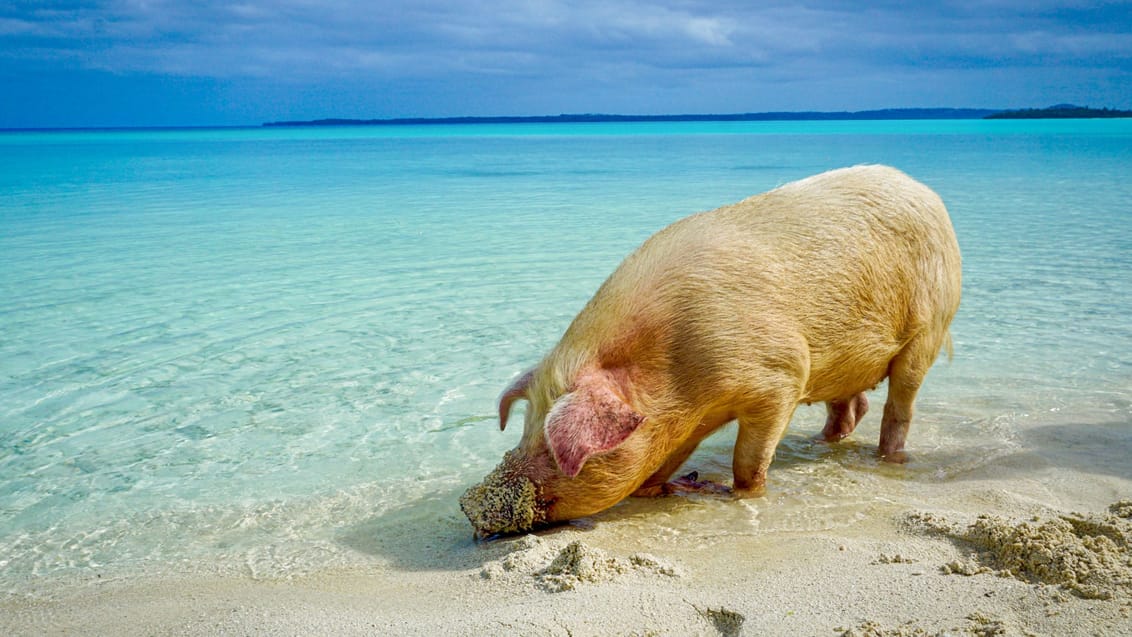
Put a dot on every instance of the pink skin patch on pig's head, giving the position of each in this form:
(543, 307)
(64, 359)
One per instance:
(588, 421)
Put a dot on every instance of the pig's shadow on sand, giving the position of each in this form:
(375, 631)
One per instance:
(432, 534)
(428, 534)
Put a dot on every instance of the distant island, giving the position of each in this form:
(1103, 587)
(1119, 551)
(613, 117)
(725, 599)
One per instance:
(1060, 111)
(891, 113)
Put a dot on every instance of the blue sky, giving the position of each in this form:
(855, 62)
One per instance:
(230, 62)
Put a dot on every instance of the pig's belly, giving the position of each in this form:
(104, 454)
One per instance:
(849, 372)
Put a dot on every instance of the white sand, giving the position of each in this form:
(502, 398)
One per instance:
(673, 566)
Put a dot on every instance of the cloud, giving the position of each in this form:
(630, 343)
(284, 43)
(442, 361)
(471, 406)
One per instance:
(371, 58)
(302, 38)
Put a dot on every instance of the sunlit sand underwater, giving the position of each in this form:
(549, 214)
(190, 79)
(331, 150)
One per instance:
(271, 352)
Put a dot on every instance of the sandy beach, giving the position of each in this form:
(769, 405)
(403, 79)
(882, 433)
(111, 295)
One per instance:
(1051, 555)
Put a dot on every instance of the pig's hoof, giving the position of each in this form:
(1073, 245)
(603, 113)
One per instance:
(691, 483)
(833, 434)
(756, 490)
(895, 457)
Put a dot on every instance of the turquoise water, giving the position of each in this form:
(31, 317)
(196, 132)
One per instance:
(234, 350)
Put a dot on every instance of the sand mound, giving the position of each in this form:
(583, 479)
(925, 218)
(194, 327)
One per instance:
(562, 568)
(1122, 509)
(1089, 555)
(978, 625)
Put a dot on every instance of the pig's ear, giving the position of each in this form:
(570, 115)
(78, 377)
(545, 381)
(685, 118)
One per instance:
(587, 421)
(516, 390)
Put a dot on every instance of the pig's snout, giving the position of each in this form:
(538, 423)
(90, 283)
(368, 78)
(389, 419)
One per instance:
(505, 502)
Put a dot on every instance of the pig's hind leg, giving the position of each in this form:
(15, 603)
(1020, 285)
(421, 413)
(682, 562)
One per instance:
(905, 375)
(842, 417)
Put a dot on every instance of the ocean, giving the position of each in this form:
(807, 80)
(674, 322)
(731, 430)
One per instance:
(266, 352)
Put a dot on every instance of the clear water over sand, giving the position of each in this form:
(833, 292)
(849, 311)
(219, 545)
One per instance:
(269, 352)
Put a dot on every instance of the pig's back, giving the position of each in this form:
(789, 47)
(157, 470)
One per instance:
(834, 273)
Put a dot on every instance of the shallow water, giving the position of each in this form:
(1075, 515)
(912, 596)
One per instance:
(236, 350)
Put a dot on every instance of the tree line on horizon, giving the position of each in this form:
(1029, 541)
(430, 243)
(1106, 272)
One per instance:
(1060, 111)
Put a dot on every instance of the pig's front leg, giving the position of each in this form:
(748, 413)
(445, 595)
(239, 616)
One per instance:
(759, 434)
(658, 483)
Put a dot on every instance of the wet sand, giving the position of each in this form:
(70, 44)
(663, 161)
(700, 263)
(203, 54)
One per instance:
(1049, 556)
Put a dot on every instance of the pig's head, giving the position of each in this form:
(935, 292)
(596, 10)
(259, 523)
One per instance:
(578, 454)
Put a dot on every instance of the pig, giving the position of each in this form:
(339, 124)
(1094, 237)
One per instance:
(815, 291)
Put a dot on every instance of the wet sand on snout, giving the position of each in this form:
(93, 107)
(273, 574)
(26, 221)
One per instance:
(1037, 541)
